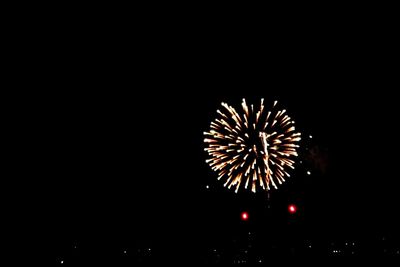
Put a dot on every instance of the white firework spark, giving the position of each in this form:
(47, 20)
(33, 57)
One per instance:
(254, 148)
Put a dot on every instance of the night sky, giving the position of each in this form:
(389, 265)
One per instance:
(115, 144)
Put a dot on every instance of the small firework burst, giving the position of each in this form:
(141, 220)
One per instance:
(254, 148)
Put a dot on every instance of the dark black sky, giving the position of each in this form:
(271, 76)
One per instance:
(115, 137)
(127, 163)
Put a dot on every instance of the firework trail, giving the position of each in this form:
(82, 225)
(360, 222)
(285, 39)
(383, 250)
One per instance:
(252, 148)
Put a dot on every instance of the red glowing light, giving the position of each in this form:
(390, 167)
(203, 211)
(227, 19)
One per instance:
(244, 216)
(292, 209)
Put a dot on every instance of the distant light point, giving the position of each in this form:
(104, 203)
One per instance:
(207, 186)
(310, 136)
(244, 216)
(62, 262)
(308, 172)
(292, 208)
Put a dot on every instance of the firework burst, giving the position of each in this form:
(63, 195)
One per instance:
(252, 148)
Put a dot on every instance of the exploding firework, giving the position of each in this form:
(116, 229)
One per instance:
(252, 147)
